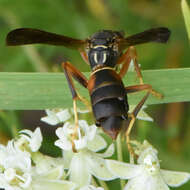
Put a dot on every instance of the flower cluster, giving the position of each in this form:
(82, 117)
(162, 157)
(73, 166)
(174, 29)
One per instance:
(22, 167)
(84, 164)
(146, 174)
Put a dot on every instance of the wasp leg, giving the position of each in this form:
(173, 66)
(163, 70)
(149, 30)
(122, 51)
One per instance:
(84, 56)
(132, 117)
(71, 72)
(127, 57)
(141, 87)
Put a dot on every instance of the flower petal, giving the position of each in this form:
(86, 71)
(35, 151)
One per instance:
(63, 115)
(4, 184)
(51, 118)
(34, 138)
(98, 167)
(123, 170)
(79, 170)
(49, 167)
(97, 144)
(175, 179)
(67, 157)
(52, 184)
(54, 174)
(109, 152)
(80, 143)
(63, 144)
(146, 182)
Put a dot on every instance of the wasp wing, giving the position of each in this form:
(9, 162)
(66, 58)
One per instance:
(160, 35)
(24, 36)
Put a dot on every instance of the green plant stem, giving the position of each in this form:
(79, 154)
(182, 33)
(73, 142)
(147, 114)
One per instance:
(11, 121)
(103, 184)
(120, 156)
(186, 15)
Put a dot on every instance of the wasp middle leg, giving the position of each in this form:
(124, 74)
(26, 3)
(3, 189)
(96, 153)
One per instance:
(126, 58)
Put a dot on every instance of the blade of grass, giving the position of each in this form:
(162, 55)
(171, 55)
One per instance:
(186, 15)
(38, 91)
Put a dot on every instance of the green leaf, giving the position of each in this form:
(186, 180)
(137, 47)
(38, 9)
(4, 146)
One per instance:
(186, 14)
(38, 91)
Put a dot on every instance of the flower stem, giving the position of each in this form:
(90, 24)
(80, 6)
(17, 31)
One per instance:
(94, 182)
(103, 184)
(119, 148)
(120, 156)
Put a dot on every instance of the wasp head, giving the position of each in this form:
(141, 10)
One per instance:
(103, 48)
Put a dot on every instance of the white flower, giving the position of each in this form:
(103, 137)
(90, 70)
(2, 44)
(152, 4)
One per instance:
(84, 164)
(56, 116)
(15, 168)
(147, 175)
(19, 170)
(43, 184)
(29, 140)
(48, 174)
(85, 134)
(51, 168)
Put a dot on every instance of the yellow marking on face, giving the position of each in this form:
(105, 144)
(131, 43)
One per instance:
(95, 58)
(105, 47)
(104, 57)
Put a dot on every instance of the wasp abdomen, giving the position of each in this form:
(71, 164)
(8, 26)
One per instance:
(109, 101)
(113, 125)
(110, 91)
(109, 107)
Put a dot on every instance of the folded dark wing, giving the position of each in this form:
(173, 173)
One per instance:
(24, 36)
(160, 35)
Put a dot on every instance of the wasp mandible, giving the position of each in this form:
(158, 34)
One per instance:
(103, 51)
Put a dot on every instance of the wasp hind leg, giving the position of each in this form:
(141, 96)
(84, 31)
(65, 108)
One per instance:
(71, 72)
(126, 58)
(132, 116)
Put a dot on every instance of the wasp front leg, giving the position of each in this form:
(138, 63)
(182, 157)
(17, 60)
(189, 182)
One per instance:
(126, 58)
(71, 72)
(84, 57)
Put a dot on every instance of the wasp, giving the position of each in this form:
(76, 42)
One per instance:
(104, 51)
